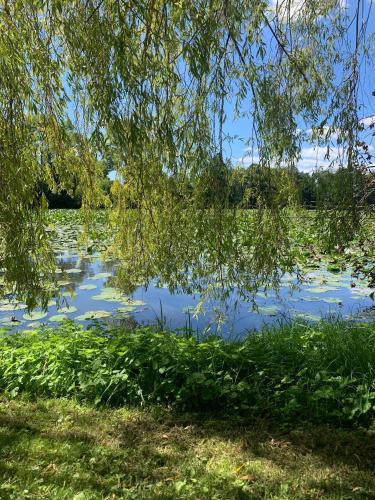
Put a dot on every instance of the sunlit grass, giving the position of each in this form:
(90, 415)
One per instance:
(59, 449)
(274, 446)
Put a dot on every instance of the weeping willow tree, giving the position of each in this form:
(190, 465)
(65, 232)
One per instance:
(152, 81)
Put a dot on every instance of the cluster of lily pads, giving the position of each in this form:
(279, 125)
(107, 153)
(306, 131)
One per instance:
(125, 306)
(66, 229)
(322, 279)
(319, 286)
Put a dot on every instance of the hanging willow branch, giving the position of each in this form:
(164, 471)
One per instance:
(144, 78)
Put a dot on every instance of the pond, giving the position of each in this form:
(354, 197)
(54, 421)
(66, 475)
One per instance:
(87, 295)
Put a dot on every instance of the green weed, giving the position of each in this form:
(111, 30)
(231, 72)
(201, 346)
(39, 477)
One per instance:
(323, 372)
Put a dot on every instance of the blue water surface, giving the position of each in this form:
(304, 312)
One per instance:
(322, 295)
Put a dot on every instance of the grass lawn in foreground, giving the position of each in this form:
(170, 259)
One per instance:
(58, 449)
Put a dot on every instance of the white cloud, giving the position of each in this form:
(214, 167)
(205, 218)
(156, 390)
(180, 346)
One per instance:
(247, 160)
(333, 133)
(312, 157)
(297, 7)
(368, 120)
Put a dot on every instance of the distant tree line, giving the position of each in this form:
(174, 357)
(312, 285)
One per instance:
(71, 197)
(244, 187)
(68, 199)
(255, 185)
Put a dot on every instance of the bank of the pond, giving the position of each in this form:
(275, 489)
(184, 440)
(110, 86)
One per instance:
(323, 372)
(58, 449)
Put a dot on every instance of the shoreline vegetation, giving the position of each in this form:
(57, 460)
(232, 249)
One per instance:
(108, 413)
(319, 372)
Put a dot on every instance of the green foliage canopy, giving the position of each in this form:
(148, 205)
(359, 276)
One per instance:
(146, 84)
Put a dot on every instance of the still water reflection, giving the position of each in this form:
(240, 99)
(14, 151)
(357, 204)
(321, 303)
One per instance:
(87, 295)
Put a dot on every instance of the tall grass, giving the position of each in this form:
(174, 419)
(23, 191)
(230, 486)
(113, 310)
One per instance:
(322, 372)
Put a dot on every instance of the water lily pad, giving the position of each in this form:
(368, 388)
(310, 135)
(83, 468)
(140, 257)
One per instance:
(287, 279)
(87, 287)
(126, 309)
(268, 310)
(34, 325)
(8, 321)
(57, 318)
(64, 283)
(73, 271)
(9, 306)
(307, 316)
(51, 288)
(309, 298)
(67, 309)
(295, 299)
(110, 295)
(322, 289)
(134, 302)
(332, 300)
(362, 291)
(123, 312)
(339, 284)
(100, 276)
(33, 316)
(93, 315)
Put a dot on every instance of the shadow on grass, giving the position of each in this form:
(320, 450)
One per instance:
(58, 449)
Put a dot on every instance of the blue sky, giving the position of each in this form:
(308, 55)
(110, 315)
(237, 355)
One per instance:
(313, 156)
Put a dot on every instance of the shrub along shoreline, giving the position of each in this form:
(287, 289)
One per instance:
(323, 372)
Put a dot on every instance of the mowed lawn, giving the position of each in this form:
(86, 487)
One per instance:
(60, 449)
